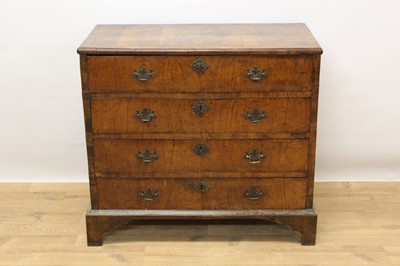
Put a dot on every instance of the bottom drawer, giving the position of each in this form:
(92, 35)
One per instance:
(210, 194)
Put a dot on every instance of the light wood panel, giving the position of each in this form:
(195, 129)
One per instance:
(201, 38)
(43, 224)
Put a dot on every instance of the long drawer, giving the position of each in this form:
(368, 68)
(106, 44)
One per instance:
(269, 115)
(273, 193)
(194, 74)
(164, 158)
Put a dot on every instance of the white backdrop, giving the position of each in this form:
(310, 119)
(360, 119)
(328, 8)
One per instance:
(41, 118)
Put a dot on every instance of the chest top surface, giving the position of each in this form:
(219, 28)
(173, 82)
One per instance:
(201, 39)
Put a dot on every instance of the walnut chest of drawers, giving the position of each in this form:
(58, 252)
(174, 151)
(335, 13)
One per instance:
(200, 122)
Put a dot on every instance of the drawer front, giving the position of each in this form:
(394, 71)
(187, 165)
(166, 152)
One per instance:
(270, 115)
(176, 73)
(233, 194)
(157, 158)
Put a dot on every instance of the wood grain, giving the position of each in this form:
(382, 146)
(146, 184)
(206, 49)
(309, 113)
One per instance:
(174, 194)
(223, 115)
(43, 224)
(289, 57)
(99, 222)
(202, 95)
(231, 39)
(177, 156)
(174, 73)
(313, 130)
(203, 136)
(87, 106)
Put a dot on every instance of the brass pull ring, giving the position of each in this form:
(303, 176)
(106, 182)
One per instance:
(255, 74)
(146, 115)
(254, 193)
(147, 156)
(149, 194)
(255, 116)
(254, 156)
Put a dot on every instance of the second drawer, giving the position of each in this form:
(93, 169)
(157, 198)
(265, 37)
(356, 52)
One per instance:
(162, 158)
(270, 115)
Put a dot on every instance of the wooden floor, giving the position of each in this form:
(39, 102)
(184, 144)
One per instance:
(44, 224)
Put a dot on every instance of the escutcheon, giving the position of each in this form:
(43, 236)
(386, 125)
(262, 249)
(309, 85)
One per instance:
(201, 187)
(200, 108)
(142, 74)
(201, 149)
(199, 66)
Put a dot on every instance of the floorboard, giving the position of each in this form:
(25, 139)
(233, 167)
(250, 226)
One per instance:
(44, 224)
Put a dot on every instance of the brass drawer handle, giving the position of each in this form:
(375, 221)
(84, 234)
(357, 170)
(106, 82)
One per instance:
(142, 74)
(146, 115)
(200, 107)
(255, 74)
(201, 149)
(254, 193)
(149, 194)
(254, 156)
(201, 187)
(199, 66)
(147, 156)
(255, 116)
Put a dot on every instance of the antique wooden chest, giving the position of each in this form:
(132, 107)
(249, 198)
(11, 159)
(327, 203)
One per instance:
(200, 122)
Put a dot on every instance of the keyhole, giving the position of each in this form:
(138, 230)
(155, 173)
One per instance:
(200, 149)
(202, 187)
(200, 107)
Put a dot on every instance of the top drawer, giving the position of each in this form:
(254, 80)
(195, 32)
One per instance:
(194, 74)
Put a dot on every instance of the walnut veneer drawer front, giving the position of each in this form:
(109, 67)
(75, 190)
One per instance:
(174, 157)
(201, 122)
(268, 115)
(273, 193)
(176, 73)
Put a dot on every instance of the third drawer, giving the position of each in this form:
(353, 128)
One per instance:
(201, 158)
